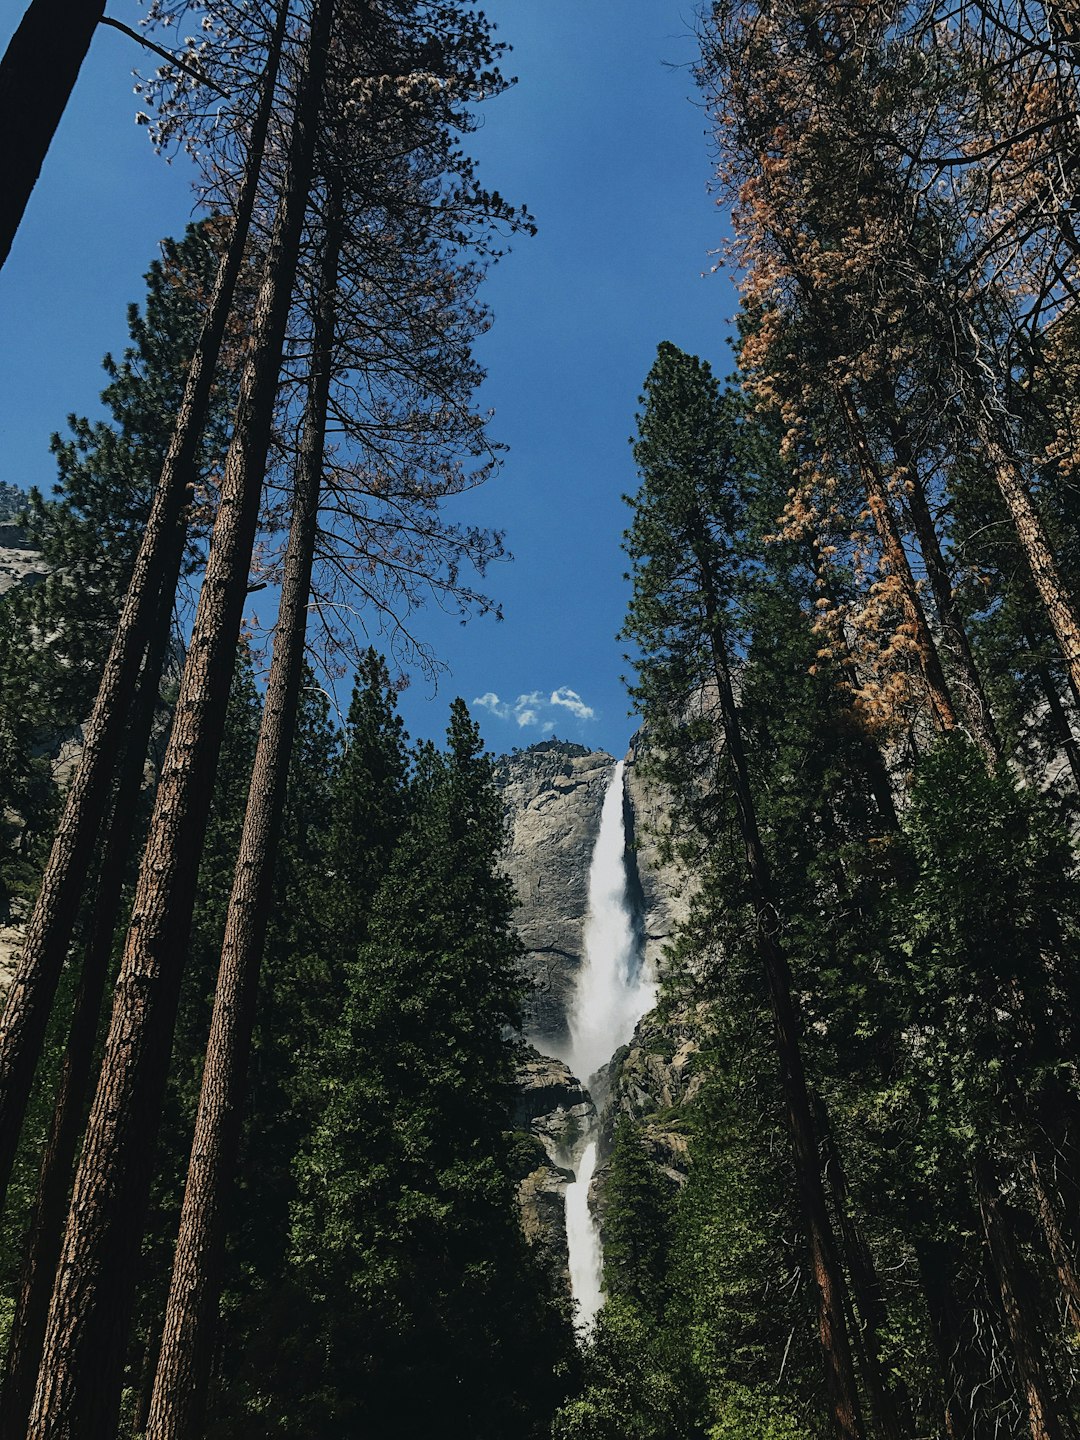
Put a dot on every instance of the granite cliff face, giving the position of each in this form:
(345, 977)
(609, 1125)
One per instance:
(554, 793)
(20, 563)
(553, 1108)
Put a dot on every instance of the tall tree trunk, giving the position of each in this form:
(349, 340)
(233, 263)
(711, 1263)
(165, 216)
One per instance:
(46, 1230)
(37, 75)
(81, 1371)
(1058, 717)
(180, 1388)
(33, 988)
(937, 1270)
(869, 1302)
(954, 637)
(1061, 1252)
(892, 544)
(832, 1326)
(1043, 1419)
(1038, 552)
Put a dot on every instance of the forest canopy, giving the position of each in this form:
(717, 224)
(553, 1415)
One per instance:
(265, 1161)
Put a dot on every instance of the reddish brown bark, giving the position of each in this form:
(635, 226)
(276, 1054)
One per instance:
(1043, 1419)
(33, 988)
(50, 1206)
(187, 1346)
(79, 1382)
(892, 544)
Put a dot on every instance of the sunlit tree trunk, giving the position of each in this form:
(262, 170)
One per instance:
(46, 1228)
(183, 1371)
(79, 1382)
(880, 506)
(1038, 552)
(33, 988)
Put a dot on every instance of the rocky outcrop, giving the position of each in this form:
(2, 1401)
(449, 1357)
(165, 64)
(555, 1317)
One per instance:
(542, 1202)
(553, 794)
(654, 1077)
(551, 1111)
(20, 563)
(551, 1102)
(653, 1082)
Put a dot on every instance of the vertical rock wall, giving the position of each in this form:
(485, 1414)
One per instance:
(553, 793)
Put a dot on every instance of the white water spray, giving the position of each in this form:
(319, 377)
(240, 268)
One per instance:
(611, 996)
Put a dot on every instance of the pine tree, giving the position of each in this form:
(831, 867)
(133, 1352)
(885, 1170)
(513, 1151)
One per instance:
(689, 519)
(154, 575)
(81, 1369)
(406, 1230)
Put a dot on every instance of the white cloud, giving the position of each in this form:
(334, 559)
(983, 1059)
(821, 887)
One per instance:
(491, 701)
(535, 710)
(573, 702)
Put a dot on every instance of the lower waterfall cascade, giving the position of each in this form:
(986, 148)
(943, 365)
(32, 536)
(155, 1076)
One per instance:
(612, 993)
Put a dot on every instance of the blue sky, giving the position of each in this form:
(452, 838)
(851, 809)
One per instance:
(604, 139)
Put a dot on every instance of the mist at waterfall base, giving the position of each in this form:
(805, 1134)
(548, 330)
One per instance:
(611, 996)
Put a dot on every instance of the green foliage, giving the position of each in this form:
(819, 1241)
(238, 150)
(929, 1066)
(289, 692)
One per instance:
(638, 1206)
(742, 1414)
(634, 1388)
(54, 635)
(379, 1278)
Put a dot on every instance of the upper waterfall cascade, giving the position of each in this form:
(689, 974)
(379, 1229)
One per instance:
(612, 993)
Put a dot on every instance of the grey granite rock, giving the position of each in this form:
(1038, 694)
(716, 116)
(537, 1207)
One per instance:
(553, 795)
(552, 1103)
(20, 563)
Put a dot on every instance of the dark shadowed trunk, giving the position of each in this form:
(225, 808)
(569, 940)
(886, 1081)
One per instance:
(37, 75)
(866, 1293)
(965, 677)
(1017, 1306)
(1058, 718)
(964, 1418)
(828, 1281)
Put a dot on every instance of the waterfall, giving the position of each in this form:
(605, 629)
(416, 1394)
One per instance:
(611, 996)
